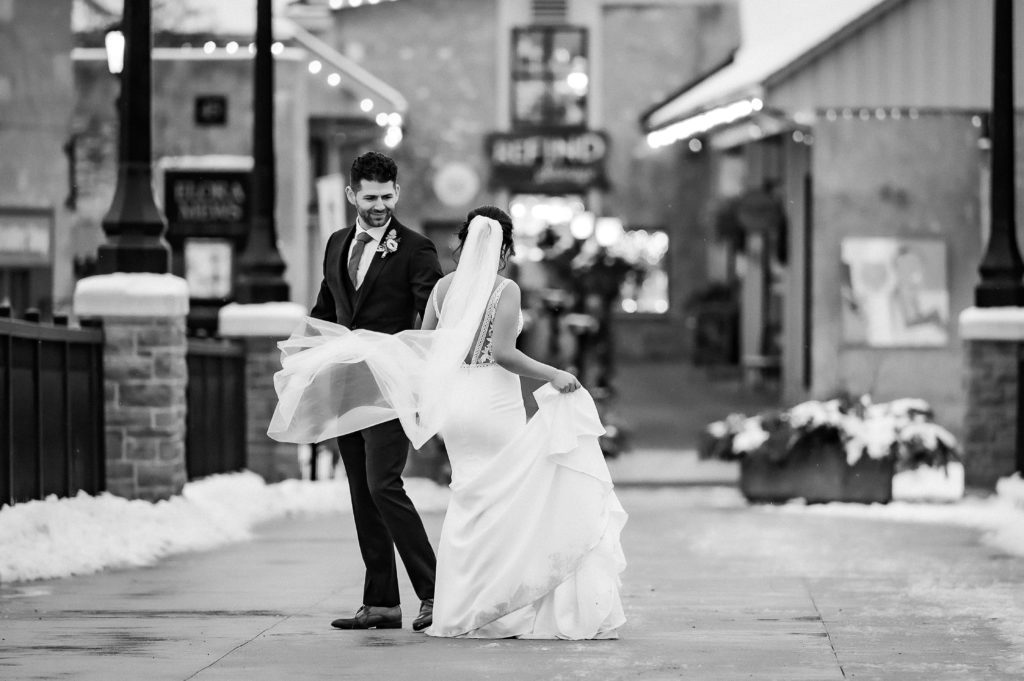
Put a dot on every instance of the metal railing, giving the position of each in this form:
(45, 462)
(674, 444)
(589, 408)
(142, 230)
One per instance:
(51, 408)
(215, 440)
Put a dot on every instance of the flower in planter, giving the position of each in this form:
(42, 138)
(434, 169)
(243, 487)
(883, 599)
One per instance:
(926, 443)
(901, 429)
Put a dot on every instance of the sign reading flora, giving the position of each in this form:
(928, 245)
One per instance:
(549, 161)
(205, 202)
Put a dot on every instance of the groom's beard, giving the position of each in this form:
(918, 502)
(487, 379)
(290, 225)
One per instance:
(374, 218)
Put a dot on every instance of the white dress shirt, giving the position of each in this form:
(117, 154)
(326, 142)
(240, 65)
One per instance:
(369, 251)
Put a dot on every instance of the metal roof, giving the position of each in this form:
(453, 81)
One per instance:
(774, 33)
(866, 54)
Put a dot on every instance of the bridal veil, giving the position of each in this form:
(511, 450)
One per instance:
(334, 380)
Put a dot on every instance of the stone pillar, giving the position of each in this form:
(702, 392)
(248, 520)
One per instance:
(145, 377)
(260, 326)
(995, 339)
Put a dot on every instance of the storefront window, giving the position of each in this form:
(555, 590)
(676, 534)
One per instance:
(645, 288)
(550, 77)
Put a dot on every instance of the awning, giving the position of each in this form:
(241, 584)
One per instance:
(774, 34)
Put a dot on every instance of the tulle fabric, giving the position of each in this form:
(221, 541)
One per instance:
(335, 380)
(530, 544)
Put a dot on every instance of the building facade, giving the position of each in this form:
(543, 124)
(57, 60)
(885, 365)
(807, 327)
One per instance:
(854, 169)
(36, 198)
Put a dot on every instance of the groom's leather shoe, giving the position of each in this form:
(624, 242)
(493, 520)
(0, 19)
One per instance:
(372, 617)
(426, 616)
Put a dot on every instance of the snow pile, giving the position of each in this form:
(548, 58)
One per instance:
(1000, 516)
(59, 537)
(929, 483)
(1012, 490)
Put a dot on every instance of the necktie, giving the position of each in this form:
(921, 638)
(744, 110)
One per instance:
(357, 254)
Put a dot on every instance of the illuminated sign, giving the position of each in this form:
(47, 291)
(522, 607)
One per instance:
(549, 161)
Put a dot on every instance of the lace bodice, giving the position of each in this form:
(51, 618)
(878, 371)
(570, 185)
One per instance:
(483, 347)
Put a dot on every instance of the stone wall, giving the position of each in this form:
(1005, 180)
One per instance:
(145, 377)
(991, 422)
(274, 461)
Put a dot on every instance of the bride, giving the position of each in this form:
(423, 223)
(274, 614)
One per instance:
(530, 542)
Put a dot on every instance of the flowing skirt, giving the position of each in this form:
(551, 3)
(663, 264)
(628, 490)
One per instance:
(530, 543)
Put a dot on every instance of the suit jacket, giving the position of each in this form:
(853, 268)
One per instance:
(395, 288)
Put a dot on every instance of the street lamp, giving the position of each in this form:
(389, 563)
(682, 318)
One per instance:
(133, 225)
(114, 42)
(260, 266)
(1001, 267)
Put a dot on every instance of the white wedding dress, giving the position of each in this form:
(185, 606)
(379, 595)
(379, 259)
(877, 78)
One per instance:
(530, 543)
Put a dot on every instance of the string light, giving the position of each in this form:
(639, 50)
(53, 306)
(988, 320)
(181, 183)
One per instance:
(366, 105)
(334, 80)
(277, 48)
(209, 46)
(382, 119)
(702, 122)
(315, 66)
(231, 47)
(393, 136)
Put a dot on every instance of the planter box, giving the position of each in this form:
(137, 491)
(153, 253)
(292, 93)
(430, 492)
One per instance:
(818, 473)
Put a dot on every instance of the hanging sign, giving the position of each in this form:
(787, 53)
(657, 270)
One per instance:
(207, 202)
(25, 237)
(553, 161)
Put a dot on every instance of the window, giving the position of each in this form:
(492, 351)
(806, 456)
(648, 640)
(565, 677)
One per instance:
(550, 77)
(645, 288)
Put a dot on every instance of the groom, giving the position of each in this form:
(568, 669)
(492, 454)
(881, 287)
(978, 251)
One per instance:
(378, 275)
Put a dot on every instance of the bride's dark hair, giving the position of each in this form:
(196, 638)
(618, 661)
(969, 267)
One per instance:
(508, 247)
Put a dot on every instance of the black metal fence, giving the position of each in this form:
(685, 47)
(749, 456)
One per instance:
(215, 425)
(51, 409)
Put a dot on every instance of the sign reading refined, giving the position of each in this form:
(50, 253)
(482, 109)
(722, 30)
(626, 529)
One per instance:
(25, 237)
(549, 161)
(206, 202)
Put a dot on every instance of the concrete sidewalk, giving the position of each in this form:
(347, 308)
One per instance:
(714, 590)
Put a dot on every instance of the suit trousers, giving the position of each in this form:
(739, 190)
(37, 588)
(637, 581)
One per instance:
(385, 517)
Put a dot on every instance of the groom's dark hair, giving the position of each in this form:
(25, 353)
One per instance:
(373, 166)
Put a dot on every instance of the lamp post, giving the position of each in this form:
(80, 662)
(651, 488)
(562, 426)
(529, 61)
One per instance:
(133, 225)
(260, 265)
(1001, 267)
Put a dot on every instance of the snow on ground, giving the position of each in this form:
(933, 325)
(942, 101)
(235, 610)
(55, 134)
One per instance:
(1000, 516)
(59, 537)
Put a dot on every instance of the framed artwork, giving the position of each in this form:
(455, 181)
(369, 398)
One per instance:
(208, 264)
(895, 292)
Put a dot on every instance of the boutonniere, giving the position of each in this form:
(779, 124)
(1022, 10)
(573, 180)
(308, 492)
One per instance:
(389, 244)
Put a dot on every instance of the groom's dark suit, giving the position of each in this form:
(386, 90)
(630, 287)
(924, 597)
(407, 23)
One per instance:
(394, 290)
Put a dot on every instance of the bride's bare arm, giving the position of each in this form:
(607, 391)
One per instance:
(506, 321)
(437, 294)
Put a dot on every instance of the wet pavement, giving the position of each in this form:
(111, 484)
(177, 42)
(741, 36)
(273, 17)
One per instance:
(715, 589)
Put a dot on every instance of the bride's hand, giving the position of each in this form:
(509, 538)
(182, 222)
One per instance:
(564, 382)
